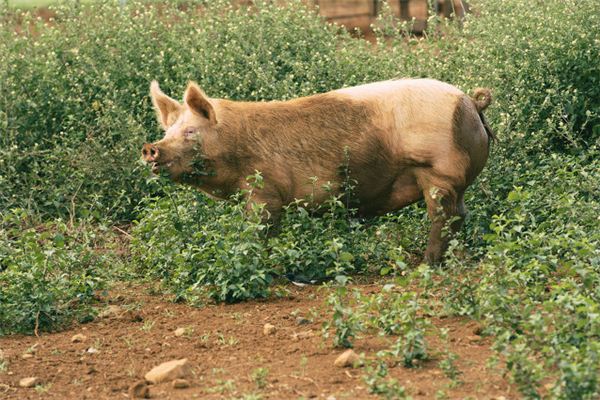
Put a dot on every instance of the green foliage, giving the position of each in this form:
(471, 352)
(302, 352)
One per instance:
(201, 246)
(345, 321)
(379, 384)
(394, 312)
(537, 287)
(48, 275)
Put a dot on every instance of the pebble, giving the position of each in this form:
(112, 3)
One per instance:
(169, 371)
(27, 355)
(78, 338)
(30, 382)
(179, 332)
(181, 384)
(347, 359)
(92, 350)
(139, 390)
(269, 329)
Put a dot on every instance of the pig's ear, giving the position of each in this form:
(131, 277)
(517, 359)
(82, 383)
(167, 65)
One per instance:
(167, 109)
(199, 103)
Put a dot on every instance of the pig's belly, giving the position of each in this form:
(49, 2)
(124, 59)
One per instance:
(402, 191)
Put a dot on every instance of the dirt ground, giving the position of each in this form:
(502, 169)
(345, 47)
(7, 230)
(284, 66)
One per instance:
(227, 349)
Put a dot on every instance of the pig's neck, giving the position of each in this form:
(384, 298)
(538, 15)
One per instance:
(220, 173)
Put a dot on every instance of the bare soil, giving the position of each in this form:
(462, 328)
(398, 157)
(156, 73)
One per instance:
(226, 347)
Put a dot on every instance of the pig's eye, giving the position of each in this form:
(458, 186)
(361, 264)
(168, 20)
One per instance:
(189, 132)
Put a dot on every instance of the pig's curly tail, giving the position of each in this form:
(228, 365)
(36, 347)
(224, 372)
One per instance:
(482, 97)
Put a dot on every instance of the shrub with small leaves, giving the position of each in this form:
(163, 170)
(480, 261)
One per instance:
(48, 275)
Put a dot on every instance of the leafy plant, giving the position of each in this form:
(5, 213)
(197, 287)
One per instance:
(48, 275)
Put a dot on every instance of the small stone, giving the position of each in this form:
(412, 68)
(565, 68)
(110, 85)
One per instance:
(92, 350)
(347, 359)
(181, 384)
(169, 371)
(27, 355)
(30, 382)
(269, 329)
(139, 390)
(499, 398)
(78, 338)
(302, 321)
(179, 332)
(331, 398)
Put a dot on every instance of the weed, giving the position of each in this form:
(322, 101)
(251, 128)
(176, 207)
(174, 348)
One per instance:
(259, 376)
(147, 325)
(380, 384)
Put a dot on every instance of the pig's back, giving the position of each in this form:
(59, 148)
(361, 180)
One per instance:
(415, 115)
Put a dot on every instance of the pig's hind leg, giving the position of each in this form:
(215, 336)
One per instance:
(447, 211)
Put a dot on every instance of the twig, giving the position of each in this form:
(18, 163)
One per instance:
(122, 231)
(304, 378)
(72, 213)
(37, 324)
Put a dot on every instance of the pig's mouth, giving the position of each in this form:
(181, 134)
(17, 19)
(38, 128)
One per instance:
(157, 166)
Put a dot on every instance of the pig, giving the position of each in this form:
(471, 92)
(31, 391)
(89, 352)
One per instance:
(398, 141)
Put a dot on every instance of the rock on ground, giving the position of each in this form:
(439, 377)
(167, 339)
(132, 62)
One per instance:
(269, 329)
(347, 359)
(169, 371)
(179, 332)
(30, 382)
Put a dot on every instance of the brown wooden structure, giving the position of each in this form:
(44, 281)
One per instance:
(362, 13)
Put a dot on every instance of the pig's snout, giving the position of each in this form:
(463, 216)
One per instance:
(150, 153)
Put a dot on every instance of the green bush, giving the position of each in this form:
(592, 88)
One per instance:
(202, 247)
(537, 286)
(48, 275)
(198, 245)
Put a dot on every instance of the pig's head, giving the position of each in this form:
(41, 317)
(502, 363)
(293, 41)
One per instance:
(179, 152)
